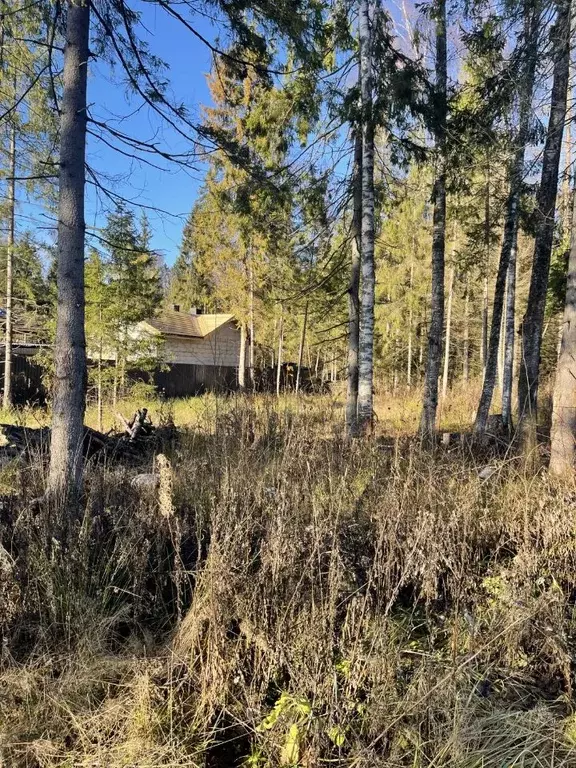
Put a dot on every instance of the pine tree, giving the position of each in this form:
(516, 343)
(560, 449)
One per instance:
(506, 276)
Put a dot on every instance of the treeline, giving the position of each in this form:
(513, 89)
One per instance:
(387, 194)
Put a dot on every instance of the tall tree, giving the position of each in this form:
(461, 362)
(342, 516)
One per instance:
(428, 418)
(187, 287)
(445, 374)
(532, 324)
(367, 293)
(65, 476)
(354, 293)
(133, 287)
(506, 275)
(563, 431)
(99, 328)
(7, 395)
(26, 133)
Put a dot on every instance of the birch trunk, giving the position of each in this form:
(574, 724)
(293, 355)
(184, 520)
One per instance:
(280, 350)
(491, 362)
(65, 475)
(115, 382)
(484, 339)
(566, 196)
(366, 338)
(410, 325)
(421, 344)
(563, 431)
(100, 404)
(301, 348)
(7, 395)
(353, 295)
(501, 343)
(447, 341)
(251, 352)
(545, 208)
(430, 405)
(466, 349)
(242, 359)
(510, 341)
(505, 289)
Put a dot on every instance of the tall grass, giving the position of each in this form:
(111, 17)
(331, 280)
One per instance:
(287, 598)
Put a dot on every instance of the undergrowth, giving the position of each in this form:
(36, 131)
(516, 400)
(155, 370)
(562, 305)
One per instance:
(286, 598)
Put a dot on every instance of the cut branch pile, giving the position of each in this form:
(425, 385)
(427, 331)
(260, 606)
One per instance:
(137, 435)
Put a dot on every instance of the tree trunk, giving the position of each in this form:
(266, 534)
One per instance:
(69, 396)
(491, 361)
(422, 331)
(510, 340)
(410, 325)
(242, 359)
(567, 171)
(566, 195)
(100, 404)
(501, 345)
(366, 338)
(115, 382)
(430, 405)
(251, 352)
(353, 295)
(280, 345)
(563, 431)
(466, 350)
(487, 245)
(7, 395)
(301, 348)
(484, 338)
(447, 341)
(545, 208)
(506, 276)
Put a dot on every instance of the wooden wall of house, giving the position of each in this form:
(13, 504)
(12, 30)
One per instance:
(185, 380)
(27, 384)
(220, 349)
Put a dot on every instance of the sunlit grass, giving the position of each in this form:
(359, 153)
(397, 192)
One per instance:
(288, 598)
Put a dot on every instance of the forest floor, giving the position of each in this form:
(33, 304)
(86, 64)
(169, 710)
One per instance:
(285, 598)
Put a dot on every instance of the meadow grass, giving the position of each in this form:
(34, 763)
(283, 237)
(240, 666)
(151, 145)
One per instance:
(288, 598)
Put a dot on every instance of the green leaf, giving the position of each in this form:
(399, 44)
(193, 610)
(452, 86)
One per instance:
(291, 749)
(337, 735)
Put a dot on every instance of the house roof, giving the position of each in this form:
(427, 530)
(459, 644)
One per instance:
(172, 323)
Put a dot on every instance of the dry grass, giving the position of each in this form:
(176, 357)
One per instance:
(346, 605)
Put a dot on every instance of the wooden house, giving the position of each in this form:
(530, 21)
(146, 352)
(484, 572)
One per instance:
(200, 351)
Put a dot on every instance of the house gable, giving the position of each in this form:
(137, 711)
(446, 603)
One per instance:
(203, 340)
(220, 347)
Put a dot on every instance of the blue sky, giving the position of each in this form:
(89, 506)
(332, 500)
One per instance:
(173, 189)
